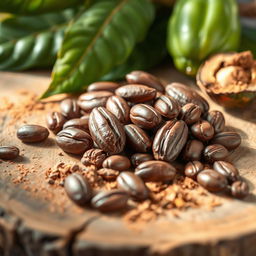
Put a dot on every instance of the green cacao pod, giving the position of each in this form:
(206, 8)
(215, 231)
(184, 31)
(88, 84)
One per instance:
(199, 28)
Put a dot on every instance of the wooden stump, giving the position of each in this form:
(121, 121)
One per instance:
(36, 219)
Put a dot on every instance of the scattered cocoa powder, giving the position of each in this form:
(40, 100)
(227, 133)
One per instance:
(27, 104)
(182, 194)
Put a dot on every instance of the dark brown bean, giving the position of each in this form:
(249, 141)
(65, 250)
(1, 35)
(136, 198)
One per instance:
(183, 94)
(217, 120)
(227, 169)
(167, 106)
(169, 140)
(230, 140)
(193, 150)
(239, 189)
(141, 77)
(202, 130)
(78, 189)
(70, 109)
(136, 93)
(90, 100)
(9, 152)
(215, 152)
(155, 171)
(55, 121)
(133, 185)
(30, 133)
(107, 201)
(193, 168)
(190, 113)
(79, 123)
(103, 86)
(108, 174)
(74, 141)
(107, 131)
(94, 156)
(139, 158)
(117, 162)
(120, 108)
(145, 116)
(137, 139)
(212, 180)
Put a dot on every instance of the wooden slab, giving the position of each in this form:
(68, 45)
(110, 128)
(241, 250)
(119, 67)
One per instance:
(45, 222)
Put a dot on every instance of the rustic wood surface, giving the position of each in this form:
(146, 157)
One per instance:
(30, 226)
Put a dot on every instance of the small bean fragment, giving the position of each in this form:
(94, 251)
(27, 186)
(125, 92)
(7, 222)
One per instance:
(108, 174)
(94, 156)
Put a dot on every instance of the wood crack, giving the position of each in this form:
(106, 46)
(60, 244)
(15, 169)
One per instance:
(74, 234)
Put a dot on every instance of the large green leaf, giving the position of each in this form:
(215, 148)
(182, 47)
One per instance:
(101, 38)
(28, 7)
(32, 41)
(148, 53)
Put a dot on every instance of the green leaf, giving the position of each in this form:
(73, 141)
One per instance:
(28, 7)
(101, 38)
(148, 53)
(32, 41)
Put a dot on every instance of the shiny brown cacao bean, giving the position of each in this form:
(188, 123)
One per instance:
(136, 93)
(142, 77)
(169, 140)
(107, 131)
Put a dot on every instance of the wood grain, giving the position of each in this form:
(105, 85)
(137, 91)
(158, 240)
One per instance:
(39, 224)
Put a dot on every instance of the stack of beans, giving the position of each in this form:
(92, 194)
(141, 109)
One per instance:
(134, 133)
